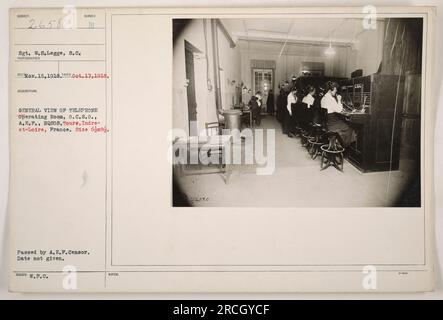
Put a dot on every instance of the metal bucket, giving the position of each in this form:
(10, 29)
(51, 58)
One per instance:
(232, 119)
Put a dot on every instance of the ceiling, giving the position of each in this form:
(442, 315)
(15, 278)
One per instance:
(279, 48)
(312, 31)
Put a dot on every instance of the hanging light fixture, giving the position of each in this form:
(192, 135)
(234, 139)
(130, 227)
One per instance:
(330, 51)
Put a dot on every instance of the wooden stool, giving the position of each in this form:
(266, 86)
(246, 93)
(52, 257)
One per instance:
(305, 136)
(332, 153)
(314, 130)
(315, 141)
(315, 149)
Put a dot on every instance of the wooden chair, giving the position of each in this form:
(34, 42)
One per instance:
(214, 128)
(214, 145)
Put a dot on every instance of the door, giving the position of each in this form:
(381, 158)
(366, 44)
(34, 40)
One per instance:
(192, 104)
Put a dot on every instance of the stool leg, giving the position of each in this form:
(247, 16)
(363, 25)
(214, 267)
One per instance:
(322, 163)
(316, 152)
(341, 161)
(311, 146)
(308, 145)
(326, 161)
(337, 161)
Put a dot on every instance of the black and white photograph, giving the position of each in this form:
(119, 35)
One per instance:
(248, 150)
(297, 112)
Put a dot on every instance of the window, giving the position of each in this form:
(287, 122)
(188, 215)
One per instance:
(263, 80)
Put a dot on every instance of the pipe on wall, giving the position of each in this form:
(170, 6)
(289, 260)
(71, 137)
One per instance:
(216, 65)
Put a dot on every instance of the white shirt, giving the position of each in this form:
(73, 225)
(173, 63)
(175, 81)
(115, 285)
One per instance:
(291, 100)
(308, 99)
(328, 102)
(258, 99)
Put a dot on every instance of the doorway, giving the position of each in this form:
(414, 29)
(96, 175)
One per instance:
(190, 89)
(263, 81)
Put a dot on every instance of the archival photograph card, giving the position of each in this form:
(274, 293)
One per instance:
(221, 150)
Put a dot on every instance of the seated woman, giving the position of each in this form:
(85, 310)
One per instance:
(255, 110)
(309, 97)
(259, 98)
(309, 100)
(331, 101)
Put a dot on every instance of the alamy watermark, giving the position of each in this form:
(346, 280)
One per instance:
(70, 277)
(369, 281)
(370, 20)
(232, 147)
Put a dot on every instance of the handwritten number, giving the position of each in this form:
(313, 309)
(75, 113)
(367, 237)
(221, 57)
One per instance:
(50, 24)
(32, 24)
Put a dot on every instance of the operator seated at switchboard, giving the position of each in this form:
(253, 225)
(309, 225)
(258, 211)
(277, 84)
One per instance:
(333, 103)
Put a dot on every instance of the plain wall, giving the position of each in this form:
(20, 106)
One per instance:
(229, 63)
(367, 52)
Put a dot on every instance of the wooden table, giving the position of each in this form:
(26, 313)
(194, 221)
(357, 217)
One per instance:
(216, 143)
(251, 123)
